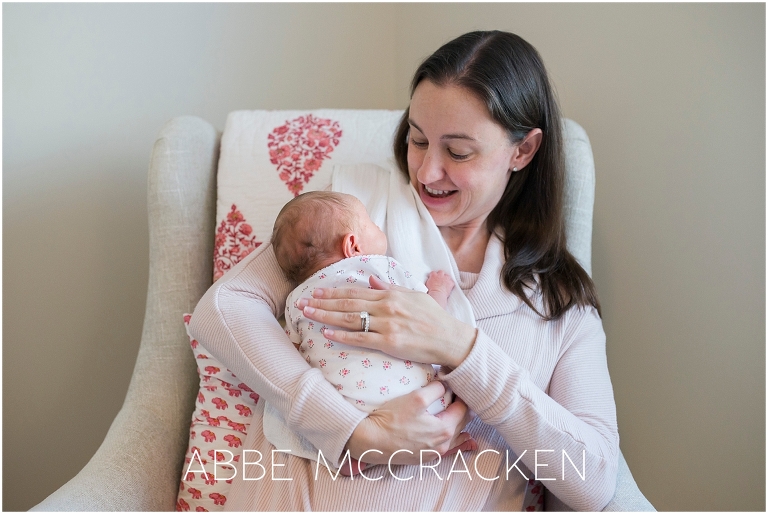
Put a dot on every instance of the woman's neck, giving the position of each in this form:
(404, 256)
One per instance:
(467, 244)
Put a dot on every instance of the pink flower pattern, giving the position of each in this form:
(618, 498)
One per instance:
(299, 147)
(234, 241)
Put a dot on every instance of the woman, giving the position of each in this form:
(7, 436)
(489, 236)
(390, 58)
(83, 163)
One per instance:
(481, 143)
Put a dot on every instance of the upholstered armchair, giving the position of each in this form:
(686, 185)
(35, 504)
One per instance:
(139, 464)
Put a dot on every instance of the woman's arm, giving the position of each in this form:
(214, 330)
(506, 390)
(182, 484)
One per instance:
(577, 420)
(236, 321)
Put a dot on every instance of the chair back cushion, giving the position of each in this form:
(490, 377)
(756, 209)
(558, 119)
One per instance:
(267, 158)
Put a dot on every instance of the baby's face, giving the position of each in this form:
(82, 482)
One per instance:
(372, 240)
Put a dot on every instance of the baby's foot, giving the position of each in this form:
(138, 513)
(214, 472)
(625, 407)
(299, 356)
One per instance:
(469, 445)
(352, 468)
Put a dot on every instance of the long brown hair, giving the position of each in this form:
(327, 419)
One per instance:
(508, 75)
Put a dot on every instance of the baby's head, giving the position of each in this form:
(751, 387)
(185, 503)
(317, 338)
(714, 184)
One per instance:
(318, 228)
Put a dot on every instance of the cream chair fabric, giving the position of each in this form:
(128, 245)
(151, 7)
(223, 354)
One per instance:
(138, 465)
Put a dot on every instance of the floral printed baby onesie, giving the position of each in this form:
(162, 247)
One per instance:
(366, 378)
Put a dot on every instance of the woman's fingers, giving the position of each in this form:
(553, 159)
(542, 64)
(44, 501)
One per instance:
(350, 320)
(352, 323)
(402, 428)
(412, 324)
(345, 305)
(347, 314)
(430, 393)
(370, 340)
(457, 413)
(341, 307)
(350, 299)
(358, 293)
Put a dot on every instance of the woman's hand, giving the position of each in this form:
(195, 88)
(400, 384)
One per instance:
(402, 428)
(403, 323)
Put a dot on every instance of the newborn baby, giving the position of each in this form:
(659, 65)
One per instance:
(326, 239)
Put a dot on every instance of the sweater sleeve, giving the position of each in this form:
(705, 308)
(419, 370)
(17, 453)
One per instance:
(571, 432)
(236, 321)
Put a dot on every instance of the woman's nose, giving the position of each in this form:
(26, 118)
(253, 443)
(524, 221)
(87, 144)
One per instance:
(431, 169)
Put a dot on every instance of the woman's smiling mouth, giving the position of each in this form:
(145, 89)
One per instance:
(437, 193)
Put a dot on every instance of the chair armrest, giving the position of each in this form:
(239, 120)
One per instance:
(128, 471)
(138, 466)
(627, 497)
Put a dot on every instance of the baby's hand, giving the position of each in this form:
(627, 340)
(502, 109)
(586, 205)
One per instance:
(439, 286)
(440, 281)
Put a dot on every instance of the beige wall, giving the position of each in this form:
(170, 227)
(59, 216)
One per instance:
(672, 96)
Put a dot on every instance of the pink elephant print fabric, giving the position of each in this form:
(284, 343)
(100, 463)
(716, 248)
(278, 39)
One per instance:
(534, 496)
(218, 429)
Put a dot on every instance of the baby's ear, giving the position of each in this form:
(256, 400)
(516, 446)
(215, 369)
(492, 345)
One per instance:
(350, 245)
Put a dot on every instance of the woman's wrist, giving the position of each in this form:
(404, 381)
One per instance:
(463, 337)
(358, 443)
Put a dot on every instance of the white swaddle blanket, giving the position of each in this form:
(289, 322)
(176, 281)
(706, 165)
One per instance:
(414, 240)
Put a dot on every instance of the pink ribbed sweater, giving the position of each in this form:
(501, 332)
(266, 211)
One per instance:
(534, 385)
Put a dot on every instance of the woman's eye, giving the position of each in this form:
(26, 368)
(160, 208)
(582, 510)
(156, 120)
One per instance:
(418, 144)
(457, 156)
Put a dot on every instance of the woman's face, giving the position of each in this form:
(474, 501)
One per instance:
(459, 158)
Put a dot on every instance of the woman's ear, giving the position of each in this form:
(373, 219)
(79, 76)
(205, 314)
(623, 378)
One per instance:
(526, 149)
(350, 245)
